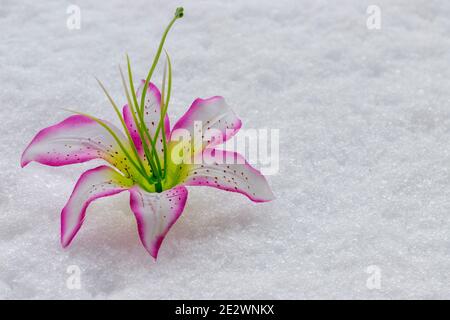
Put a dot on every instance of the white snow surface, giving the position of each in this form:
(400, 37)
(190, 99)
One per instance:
(364, 119)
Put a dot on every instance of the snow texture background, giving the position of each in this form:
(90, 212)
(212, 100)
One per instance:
(364, 119)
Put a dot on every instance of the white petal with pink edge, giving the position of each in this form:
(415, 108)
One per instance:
(218, 122)
(73, 140)
(96, 183)
(156, 213)
(229, 171)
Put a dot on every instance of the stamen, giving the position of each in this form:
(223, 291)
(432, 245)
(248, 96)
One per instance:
(164, 107)
(119, 115)
(142, 128)
(179, 13)
(133, 112)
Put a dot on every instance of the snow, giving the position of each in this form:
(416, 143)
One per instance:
(364, 174)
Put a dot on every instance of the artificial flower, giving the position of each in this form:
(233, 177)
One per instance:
(148, 159)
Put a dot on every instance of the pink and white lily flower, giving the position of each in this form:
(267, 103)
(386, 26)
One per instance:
(144, 159)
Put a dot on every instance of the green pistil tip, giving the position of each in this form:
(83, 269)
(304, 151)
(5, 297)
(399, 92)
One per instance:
(179, 13)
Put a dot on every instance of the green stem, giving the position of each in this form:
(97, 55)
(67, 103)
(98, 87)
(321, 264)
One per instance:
(141, 128)
(158, 187)
(164, 107)
(130, 141)
(144, 133)
(178, 14)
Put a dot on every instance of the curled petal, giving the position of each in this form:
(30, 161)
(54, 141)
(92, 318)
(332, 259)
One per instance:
(213, 118)
(152, 116)
(156, 213)
(229, 171)
(96, 183)
(74, 140)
